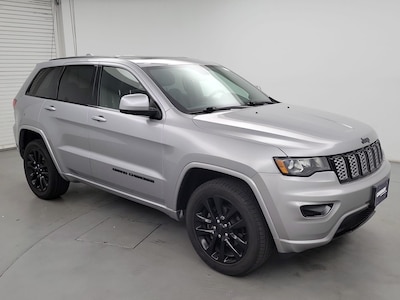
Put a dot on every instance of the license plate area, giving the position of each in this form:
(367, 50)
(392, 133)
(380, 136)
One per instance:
(380, 192)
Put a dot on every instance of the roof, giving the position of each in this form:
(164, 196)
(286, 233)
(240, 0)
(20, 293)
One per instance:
(142, 61)
(159, 61)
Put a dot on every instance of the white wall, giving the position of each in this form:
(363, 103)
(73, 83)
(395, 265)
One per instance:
(341, 56)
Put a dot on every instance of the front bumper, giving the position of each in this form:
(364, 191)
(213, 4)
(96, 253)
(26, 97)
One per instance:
(282, 197)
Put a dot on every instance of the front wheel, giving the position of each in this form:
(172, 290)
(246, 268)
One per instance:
(40, 172)
(227, 228)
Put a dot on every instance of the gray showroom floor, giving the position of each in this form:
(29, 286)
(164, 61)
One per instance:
(92, 245)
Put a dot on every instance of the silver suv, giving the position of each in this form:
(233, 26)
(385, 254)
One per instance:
(198, 142)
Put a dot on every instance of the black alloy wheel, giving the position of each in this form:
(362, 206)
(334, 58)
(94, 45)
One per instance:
(221, 230)
(36, 167)
(226, 227)
(40, 172)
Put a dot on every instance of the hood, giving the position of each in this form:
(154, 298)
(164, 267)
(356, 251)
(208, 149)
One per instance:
(297, 131)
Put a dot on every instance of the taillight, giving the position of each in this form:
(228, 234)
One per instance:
(14, 102)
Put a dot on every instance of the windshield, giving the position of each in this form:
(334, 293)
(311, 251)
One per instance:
(200, 88)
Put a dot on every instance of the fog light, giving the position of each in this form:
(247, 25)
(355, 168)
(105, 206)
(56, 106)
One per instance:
(316, 210)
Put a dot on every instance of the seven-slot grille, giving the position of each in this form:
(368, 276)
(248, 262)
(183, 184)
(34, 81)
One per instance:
(357, 164)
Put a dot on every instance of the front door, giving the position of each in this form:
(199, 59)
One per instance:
(126, 150)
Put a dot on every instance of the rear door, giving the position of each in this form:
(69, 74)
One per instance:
(65, 118)
(126, 149)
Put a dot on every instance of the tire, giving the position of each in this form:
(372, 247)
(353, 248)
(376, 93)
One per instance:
(40, 172)
(227, 228)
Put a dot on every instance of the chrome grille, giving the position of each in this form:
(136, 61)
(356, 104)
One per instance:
(363, 162)
(357, 164)
(353, 164)
(371, 160)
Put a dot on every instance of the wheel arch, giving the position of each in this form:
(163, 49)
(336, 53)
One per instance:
(28, 134)
(25, 137)
(197, 174)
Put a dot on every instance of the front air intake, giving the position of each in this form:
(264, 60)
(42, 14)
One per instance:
(319, 210)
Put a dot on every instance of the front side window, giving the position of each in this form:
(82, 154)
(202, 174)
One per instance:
(76, 84)
(45, 83)
(115, 83)
(203, 88)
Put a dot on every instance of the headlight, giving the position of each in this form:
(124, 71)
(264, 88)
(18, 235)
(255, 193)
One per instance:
(301, 166)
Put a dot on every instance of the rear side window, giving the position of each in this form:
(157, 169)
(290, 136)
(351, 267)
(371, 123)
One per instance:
(76, 85)
(45, 83)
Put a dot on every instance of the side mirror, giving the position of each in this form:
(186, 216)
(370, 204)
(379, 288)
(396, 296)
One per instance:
(138, 104)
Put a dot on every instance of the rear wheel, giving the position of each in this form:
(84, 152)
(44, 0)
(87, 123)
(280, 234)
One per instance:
(40, 172)
(227, 228)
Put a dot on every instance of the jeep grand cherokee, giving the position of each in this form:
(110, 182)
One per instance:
(198, 142)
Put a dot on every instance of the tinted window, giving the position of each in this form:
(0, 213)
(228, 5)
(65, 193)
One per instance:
(115, 83)
(76, 84)
(45, 83)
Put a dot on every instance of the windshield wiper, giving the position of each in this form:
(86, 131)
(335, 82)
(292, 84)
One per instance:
(211, 109)
(253, 103)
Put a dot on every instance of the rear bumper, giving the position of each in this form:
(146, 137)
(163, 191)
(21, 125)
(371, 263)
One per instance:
(283, 196)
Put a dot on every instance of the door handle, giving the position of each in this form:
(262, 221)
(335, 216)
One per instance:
(99, 119)
(50, 108)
